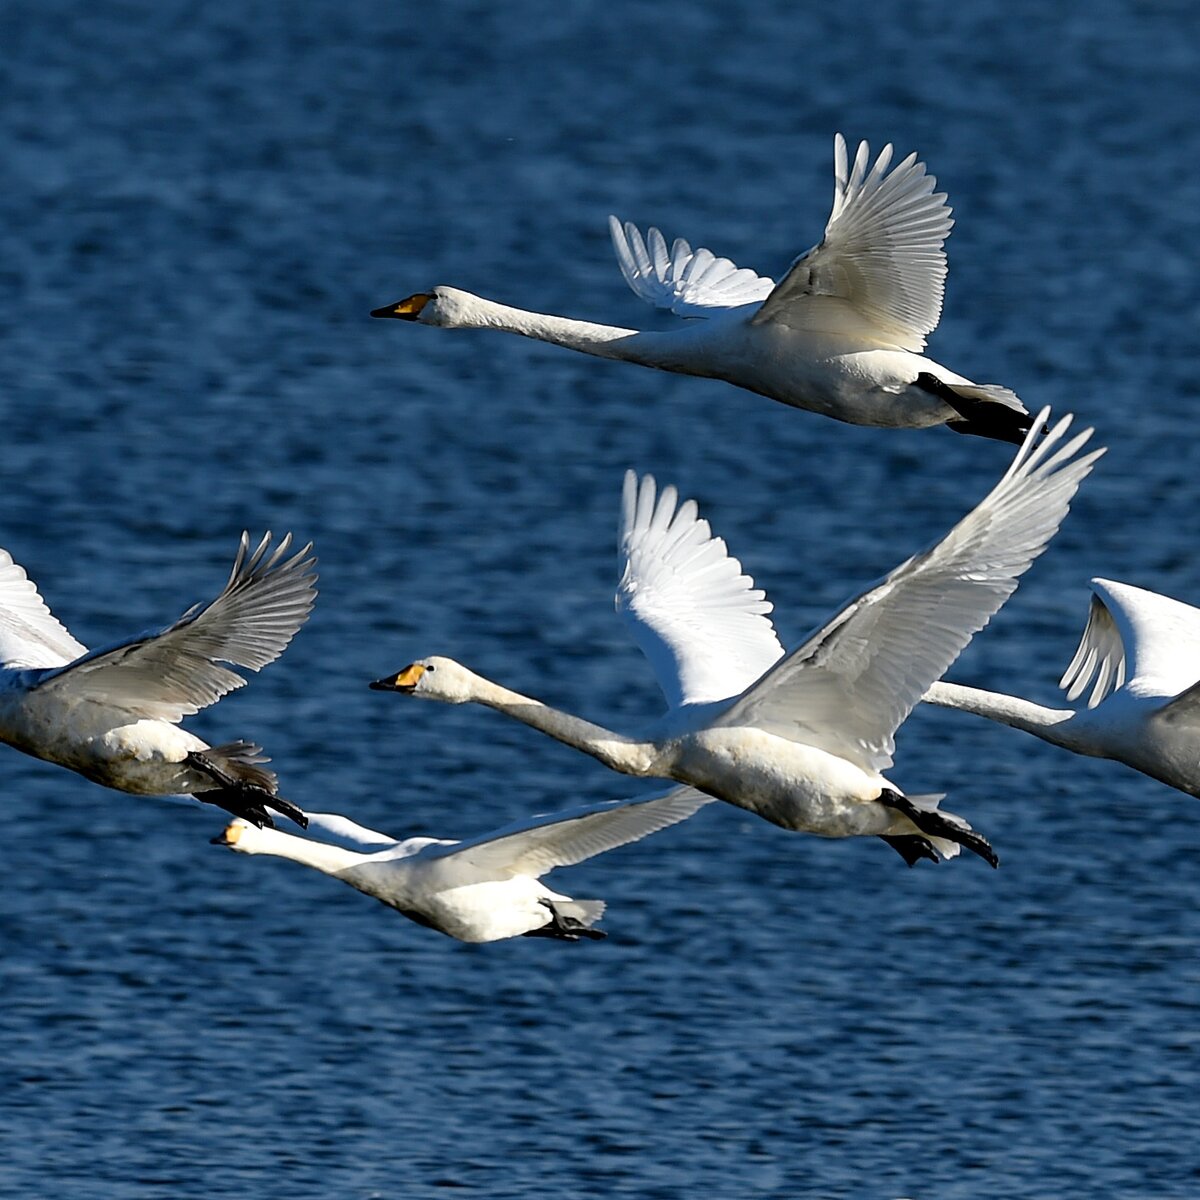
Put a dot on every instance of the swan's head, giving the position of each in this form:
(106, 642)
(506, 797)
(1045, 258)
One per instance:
(433, 679)
(241, 836)
(445, 306)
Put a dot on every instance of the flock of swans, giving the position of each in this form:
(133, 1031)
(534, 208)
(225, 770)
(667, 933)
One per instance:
(800, 737)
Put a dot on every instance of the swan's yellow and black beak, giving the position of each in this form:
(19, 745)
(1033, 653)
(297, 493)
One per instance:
(228, 836)
(405, 681)
(408, 309)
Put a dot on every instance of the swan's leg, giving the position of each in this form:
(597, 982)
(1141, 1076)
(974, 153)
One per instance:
(911, 848)
(567, 929)
(239, 804)
(244, 788)
(250, 803)
(985, 418)
(939, 825)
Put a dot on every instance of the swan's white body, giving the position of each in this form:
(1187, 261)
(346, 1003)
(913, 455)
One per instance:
(841, 334)
(112, 714)
(1142, 651)
(800, 739)
(484, 889)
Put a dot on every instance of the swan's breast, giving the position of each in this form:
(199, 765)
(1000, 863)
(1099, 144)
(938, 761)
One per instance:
(788, 783)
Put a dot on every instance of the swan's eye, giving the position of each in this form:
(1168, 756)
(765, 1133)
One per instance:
(430, 667)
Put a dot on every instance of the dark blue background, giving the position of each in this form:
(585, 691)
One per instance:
(201, 204)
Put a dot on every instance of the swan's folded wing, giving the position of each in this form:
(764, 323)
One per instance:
(699, 620)
(690, 283)
(1184, 708)
(848, 688)
(30, 636)
(539, 844)
(168, 674)
(880, 270)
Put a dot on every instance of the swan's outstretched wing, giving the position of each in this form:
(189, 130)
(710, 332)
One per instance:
(169, 674)
(1134, 634)
(691, 283)
(695, 616)
(1100, 655)
(30, 636)
(880, 270)
(850, 685)
(539, 844)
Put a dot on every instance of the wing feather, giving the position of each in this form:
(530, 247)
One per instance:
(30, 636)
(1101, 655)
(1132, 633)
(174, 672)
(539, 844)
(881, 266)
(698, 619)
(851, 684)
(686, 282)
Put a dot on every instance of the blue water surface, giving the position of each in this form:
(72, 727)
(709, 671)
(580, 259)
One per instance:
(201, 204)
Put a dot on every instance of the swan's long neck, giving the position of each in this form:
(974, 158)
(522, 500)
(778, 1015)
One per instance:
(319, 855)
(614, 750)
(1050, 724)
(604, 341)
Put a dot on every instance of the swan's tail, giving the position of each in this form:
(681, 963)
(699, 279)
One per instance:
(984, 409)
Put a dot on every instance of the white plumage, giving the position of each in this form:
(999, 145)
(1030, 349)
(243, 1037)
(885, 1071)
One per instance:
(700, 622)
(801, 740)
(840, 334)
(1140, 657)
(112, 714)
(485, 888)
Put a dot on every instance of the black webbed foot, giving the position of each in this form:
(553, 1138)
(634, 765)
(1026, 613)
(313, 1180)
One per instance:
(911, 848)
(564, 928)
(248, 794)
(982, 418)
(937, 824)
(237, 803)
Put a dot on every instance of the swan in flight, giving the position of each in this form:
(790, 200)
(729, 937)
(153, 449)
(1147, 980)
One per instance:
(486, 888)
(800, 739)
(1140, 653)
(840, 334)
(112, 714)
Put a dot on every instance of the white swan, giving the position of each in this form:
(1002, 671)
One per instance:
(112, 714)
(803, 745)
(841, 334)
(484, 889)
(1143, 652)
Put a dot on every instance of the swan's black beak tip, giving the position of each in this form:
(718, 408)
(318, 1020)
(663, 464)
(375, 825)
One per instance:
(408, 309)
